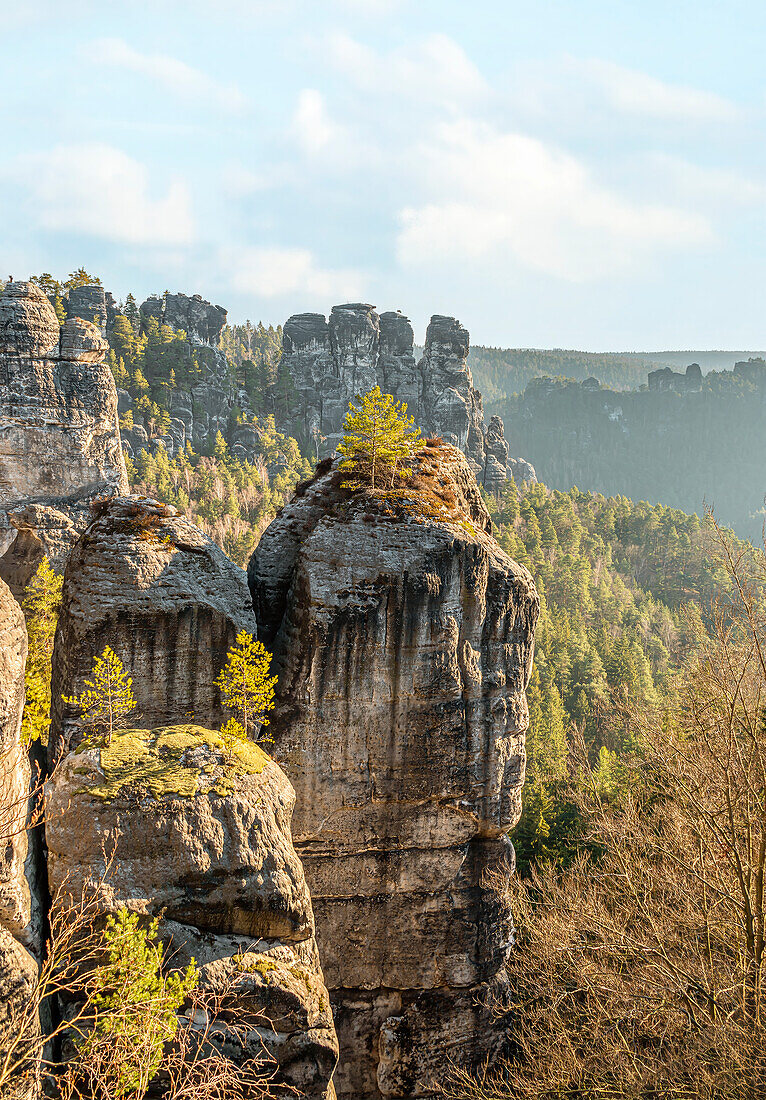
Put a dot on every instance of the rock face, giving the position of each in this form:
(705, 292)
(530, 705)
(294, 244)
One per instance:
(201, 321)
(203, 841)
(332, 363)
(19, 936)
(403, 646)
(206, 407)
(90, 304)
(60, 441)
(148, 583)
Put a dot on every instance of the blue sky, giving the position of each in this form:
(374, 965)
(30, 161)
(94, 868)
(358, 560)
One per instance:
(556, 174)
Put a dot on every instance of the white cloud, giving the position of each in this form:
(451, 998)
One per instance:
(100, 191)
(491, 194)
(175, 76)
(638, 93)
(279, 272)
(705, 184)
(434, 69)
(312, 126)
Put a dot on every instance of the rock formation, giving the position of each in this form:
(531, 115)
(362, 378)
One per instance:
(19, 937)
(667, 379)
(147, 582)
(201, 321)
(60, 441)
(203, 841)
(332, 363)
(205, 407)
(91, 303)
(403, 642)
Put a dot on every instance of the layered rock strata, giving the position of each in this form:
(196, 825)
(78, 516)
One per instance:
(59, 435)
(201, 838)
(147, 582)
(333, 363)
(19, 936)
(403, 640)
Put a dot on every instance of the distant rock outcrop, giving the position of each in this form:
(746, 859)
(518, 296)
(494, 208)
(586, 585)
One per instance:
(201, 839)
(668, 379)
(332, 363)
(59, 437)
(403, 643)
(147, 582)
(200, 320)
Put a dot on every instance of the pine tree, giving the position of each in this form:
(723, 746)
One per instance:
(107, 699)
(136, 1009)
(40, 603)
(245, 684)
(80, 277)
(378, 435)
(132, 313)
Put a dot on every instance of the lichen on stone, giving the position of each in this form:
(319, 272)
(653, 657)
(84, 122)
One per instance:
(166, 761)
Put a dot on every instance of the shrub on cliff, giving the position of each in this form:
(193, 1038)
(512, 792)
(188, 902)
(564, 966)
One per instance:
(378, 437)
(134, 1009)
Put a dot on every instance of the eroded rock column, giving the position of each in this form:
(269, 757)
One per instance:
(403, 647)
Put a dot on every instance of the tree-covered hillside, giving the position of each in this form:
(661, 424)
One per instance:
(501, 372)
(683, 449)
(625, 590)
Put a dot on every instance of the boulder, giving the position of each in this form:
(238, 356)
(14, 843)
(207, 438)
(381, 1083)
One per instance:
(169, 824)
(403, 637)
(147, 582)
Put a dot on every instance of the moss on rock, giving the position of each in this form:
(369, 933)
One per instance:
(168, 761)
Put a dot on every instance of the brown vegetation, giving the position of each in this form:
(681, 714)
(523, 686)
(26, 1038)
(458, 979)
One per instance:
(640, 971)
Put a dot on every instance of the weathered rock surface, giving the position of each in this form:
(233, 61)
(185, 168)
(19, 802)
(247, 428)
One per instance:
(15, 909)
(18, 934)
(332, 363)
(88, 302)
(403, 646)
(59, 437)
(200, 320)
(204, 842)
(147, 582)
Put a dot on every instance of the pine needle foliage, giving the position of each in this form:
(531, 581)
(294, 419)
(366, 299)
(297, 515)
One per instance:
(107, 698)
(245, 685)
(40, 603)
(135, 1009)
(378, 437)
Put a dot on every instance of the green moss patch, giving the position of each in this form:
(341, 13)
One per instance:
(162, 762)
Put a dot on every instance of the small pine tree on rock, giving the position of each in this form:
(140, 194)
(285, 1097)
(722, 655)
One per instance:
(378, 436)
(107, 699)
(246, 687)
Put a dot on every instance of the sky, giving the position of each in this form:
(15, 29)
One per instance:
(582, 174)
